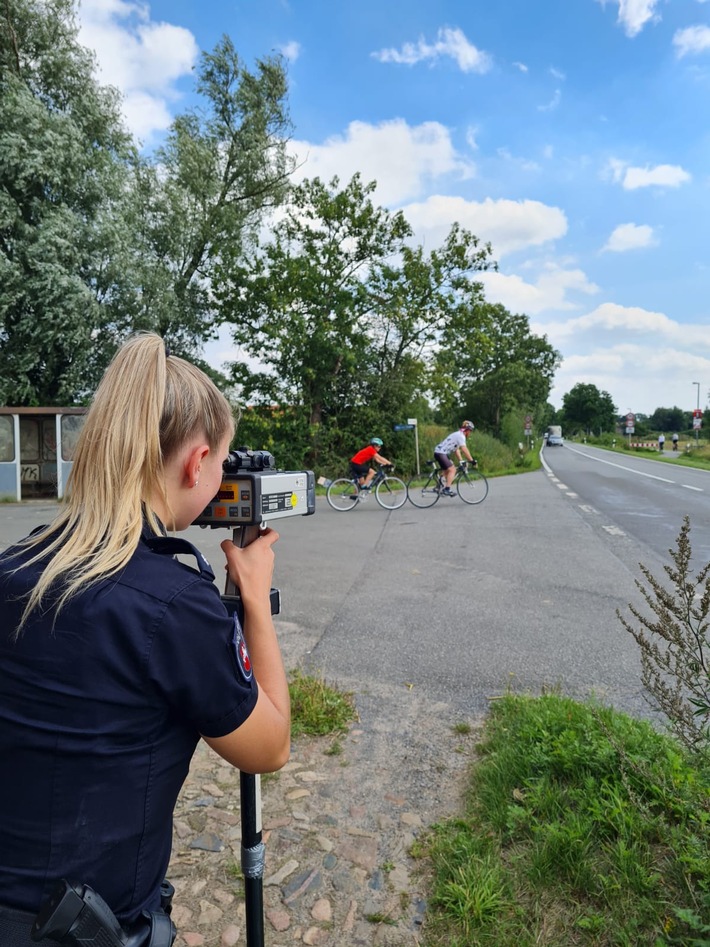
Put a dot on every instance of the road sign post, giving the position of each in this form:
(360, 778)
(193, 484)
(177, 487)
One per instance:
(411, 425)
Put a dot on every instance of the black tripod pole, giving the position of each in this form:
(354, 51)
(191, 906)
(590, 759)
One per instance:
(250, 793)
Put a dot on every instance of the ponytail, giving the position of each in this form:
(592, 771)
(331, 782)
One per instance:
(147, 406)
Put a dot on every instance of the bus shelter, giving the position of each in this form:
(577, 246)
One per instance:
(36, 451)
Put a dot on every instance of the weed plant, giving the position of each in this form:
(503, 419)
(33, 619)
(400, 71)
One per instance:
(674, 643)
(317, 708)
(582, 826)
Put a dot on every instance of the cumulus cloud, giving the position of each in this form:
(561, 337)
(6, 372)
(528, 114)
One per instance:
(630, 178)
(692, 39)
(142, 58)
(400, 157)
(631, 322)
(635, 14)
(550, 291)
(451, 43)
(507, 225)
(630, 237)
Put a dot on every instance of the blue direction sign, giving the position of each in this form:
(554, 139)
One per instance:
(403, 427)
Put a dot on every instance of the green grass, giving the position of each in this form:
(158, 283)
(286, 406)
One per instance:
(317, 708)
(581, 826)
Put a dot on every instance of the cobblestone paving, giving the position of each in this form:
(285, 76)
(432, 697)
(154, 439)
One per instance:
(338, 827)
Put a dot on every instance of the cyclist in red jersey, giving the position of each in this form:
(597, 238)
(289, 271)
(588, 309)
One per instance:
(360, 463)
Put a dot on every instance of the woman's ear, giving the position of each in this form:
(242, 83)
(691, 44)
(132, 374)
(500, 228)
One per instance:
(193, 463)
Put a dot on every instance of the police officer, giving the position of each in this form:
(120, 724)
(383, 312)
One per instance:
(117, 657)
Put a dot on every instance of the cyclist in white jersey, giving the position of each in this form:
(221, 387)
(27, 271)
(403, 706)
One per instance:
(454, 443)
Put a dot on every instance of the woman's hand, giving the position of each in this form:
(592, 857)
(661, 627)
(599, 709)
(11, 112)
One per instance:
(251, 567)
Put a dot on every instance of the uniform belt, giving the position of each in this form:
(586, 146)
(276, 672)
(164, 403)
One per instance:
(15, 928)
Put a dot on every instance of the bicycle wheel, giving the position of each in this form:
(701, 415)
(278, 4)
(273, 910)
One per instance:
(423, 491)
(391, 493)
(342, 494)
(472, 487)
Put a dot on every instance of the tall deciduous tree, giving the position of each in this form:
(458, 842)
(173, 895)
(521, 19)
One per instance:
(63, 154)
(496, 363)
(96, 241)
(586, 408)
(342, 312)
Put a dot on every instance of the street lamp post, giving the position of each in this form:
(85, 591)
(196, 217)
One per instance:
(698, 407)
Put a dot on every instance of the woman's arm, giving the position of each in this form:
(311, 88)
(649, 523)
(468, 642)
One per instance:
(262, 743)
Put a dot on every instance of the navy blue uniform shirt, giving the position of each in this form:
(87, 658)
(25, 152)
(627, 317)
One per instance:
(99, 717)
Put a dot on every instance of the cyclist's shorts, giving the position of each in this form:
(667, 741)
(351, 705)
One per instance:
(359, 470)
(444, 461)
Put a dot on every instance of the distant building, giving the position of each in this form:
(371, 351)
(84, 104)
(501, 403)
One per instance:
(36, 450)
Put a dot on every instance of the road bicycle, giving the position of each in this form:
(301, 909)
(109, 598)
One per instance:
(346, 492)
(425, 489)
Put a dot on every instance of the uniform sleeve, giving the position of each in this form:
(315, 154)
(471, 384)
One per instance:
(200, 664)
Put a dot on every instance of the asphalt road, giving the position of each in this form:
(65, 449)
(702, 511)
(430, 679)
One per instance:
(637, 496)
(453, 603)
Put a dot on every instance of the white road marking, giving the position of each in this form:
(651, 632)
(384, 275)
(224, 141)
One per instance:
(610, 463)
(614, 531)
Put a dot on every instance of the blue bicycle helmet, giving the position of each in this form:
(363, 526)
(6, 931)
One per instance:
(376, 442)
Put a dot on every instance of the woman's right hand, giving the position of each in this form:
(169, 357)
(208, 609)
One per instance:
(251, 567)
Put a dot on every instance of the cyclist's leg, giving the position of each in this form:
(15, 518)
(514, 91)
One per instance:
(359, 472)
(448, 470)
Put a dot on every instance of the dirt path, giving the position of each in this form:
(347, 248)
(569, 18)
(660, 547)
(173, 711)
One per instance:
(338, 821)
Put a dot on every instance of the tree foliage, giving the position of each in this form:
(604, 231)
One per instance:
(495, 363)
(670, 419)
(63, 155)
(586, 408)
(96, 241)
(341, 313)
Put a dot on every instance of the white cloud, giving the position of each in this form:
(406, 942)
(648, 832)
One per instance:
(693, 39)
(642, 358)
(635, 14)
(552, 104)
(142, 58)
(548, 292)
(401, 158)
(521, 66)
(631, 322)
(630, 178)
(630, 237)
(291, 51)
(450, 43)
(507, 225)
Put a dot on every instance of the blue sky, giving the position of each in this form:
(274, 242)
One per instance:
(574, 135)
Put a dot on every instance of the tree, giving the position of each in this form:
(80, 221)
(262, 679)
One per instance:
(670, 419)
(498, 363)
(96, 241)
(63, 154)
(342, 313)
(587, 409)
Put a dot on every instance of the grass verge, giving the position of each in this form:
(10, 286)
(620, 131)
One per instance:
(582, 826)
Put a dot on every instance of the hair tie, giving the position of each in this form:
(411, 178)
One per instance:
(167, 352)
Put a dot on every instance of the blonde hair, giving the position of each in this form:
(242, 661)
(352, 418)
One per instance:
(147, 406)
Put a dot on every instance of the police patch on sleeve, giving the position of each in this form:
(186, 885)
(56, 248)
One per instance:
(241, 652)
